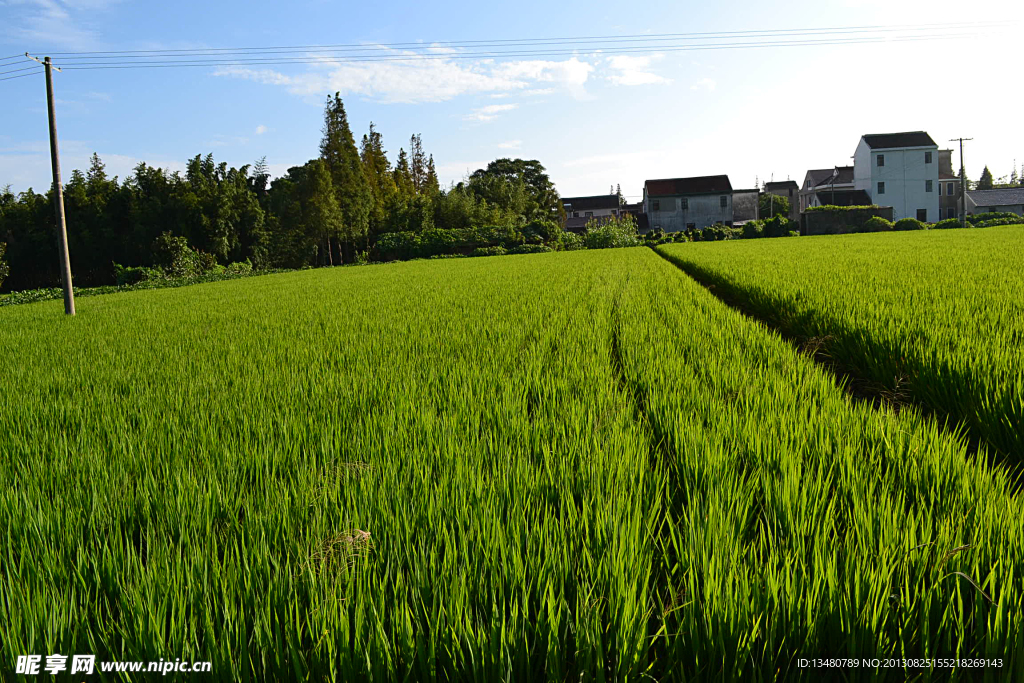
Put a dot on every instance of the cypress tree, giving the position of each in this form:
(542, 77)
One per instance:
(351, 190)
(985, 182)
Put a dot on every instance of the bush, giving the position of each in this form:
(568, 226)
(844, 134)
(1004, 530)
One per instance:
(240, 268)
(1016, 220)
(793, 233)
(948, 224)
(4, 268)
(778, 226)
(909, 224)
(993, 215)
(570, 241)
(753, 230)
(833, 207)
(488, 251)
(876, 224)
(618, 232)
(529, 249)
(132, 276)
(175, 257)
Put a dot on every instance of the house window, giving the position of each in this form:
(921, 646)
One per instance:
(949, 189)
(922, 215)
(588, 214)
(656, 205)
(881, 188)
(927, 186)
(927, 157)
(791, 192)
(686, 203)
(575, 214)
(615, 212)
(691, 226)
(723, 200)
(880, 160)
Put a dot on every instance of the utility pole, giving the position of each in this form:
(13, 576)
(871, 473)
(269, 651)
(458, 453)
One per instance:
(58, 194)
(963, 182)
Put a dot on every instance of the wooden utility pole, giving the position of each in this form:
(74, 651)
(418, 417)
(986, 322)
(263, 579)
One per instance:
(58, 194)
(963, 183)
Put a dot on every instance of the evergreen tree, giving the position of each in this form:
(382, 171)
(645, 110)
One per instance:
(403, 176)
(431, 186)
(338, 151)
(418, 164)
(380, 179)
(985, 182)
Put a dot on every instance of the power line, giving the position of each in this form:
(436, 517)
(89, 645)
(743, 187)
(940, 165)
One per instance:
(14, 71)
(568, 40)
(306, 59)
(11, 78)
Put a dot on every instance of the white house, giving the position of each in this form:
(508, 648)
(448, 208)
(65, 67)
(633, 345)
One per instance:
(900, 170)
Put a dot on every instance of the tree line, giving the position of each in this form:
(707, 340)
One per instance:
(332, 210)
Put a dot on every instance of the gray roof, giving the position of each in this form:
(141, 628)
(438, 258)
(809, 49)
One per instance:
(917, 138)
(1003, 197)
(780, 185)
(708, 184)
(601, 201)
(823, 176)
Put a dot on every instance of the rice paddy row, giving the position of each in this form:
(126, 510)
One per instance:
(528, 468)
(932, 318)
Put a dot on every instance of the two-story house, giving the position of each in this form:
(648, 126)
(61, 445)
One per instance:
(900, 170)
(675, 204)
(581, 210)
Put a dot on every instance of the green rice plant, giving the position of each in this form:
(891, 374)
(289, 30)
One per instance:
(931, 318)
(557, 466)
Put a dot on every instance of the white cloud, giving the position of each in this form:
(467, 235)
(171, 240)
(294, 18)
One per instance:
(424, 80)
(64, 23)
(261, 129)
(511, 144)
(490, 112)
(704, 84)
(633, 70)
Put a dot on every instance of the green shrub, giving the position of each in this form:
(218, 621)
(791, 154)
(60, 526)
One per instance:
(4, 268)
(909, 224)
(778, 226)
(876, 224)
(240, 267)
(530, 249)
(753, 229)
(832, 207)
(488, 251)
(1016, 220)
(993, 215)
(570, 241)
(175, 257)
(618, 232)
(793, 233)
(948, 223)
(132, 276)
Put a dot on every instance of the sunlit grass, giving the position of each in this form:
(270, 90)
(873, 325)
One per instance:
(516, 468)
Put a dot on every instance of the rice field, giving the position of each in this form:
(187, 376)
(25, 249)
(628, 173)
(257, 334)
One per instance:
(547, 467)
(933, 318)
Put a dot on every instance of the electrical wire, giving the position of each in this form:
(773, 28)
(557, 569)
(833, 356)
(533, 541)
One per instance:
(545, 41)
(307, 59)
(14, 71)
(11, 78)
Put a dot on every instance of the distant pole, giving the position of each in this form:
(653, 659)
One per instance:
(963, 183)
(58, 197)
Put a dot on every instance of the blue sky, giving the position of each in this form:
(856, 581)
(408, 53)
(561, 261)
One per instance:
(593, 121)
